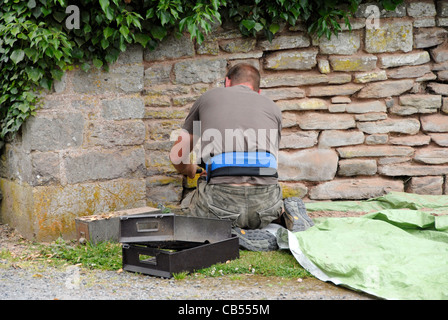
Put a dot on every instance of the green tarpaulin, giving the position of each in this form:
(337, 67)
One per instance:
(399, 250)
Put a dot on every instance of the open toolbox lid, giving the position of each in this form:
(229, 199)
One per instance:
(159, 227)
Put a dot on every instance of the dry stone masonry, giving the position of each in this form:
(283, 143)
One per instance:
(364, 113)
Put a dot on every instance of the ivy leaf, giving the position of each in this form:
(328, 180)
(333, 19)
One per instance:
(85, 67)
(31, 4)
(97, 63)
(104, 43)
(124, 31)
(258, 26)
(57, 74)
(274, 28)
(248, 24)
(108, 32)
(17, 55)
(104, 4)
(46, 83)
(34, 73)
(158, 32)
(142, 38)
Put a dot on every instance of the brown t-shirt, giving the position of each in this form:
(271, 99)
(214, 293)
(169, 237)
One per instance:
(235, 119)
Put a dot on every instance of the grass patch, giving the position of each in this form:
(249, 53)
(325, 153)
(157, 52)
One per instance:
(103, 256)
(274, 263)
(108, 256)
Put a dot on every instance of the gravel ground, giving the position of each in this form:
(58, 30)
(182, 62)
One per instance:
(39, 282)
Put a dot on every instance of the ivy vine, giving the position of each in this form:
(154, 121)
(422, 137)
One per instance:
(37, 45)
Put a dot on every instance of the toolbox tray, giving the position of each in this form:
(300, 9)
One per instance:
(158, 227)
(168, 258)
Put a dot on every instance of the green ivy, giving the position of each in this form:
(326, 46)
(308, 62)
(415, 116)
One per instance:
(37, 47)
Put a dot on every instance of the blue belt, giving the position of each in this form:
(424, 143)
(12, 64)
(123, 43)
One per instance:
(259, 163)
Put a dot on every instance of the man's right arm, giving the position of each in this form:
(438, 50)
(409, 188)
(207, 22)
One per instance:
(180, 154)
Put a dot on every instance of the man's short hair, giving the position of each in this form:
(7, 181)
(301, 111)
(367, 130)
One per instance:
(244, 72)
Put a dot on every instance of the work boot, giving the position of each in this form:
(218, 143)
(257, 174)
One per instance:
(256, 239)
(294, 217)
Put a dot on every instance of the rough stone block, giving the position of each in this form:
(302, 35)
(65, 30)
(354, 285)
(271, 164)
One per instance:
(438, 88)
(201, 70)
(343, 43)
(429, 37)
(289, 119)
(371, 116)
(157, 74)
(307, 165)
(336, 90)
(158, 162)
(49, 132)
(132, 55)
(108, 164)
(238, 45)
(370, 76)
(293, 60)
(440, 53)
(164, 189)
(45, 168)
(171, 48)
(442, 8)
(389, 37)
(44, 213)
(122, 78)
(426, 185)
(440, 139)
(298, 139)
(364, 107)
(375, 151)
(432, 155)
(166, 113)
(115, 133)
(324, 66)
(303, 104)
(208, 47)
(408, 126)
(402, 169)
(357, 167)
(285, 42)
(293, 189)
(281, 93)
(408, 72)
(421, 101)
(337, 138)
(424, 22)
(377, 139)
(415, 140)
(386, 89)
(421, 9)
(435, 123)
(353, 63)
(162, 130)
(123, 109)
(303, 79)
(355, 189)
(322, 121)
(405, 59)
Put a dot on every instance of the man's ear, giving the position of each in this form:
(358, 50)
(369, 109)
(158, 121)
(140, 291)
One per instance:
(227, 82)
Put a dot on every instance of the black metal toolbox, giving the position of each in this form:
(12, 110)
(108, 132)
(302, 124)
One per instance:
(165, 244)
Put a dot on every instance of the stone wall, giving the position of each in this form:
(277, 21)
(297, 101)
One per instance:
(363, 114)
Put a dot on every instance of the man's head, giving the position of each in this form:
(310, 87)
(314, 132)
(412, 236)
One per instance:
(243, 73)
